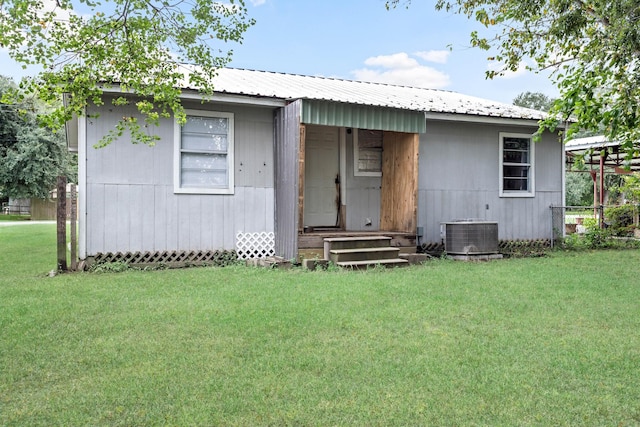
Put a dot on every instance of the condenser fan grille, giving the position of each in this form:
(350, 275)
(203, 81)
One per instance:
(471, 237)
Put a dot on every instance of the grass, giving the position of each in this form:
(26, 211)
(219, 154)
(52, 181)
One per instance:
(13, 217)
(545, 341)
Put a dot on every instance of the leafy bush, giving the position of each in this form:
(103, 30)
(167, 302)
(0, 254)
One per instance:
(572, 242)
(619, 219)
(223, 258)
(597, 238)
(524, 248)
(110, 267)
(594, 237)
(590, 223)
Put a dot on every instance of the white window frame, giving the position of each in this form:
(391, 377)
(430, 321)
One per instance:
(531, 176)
(356, 158)
(177, 137)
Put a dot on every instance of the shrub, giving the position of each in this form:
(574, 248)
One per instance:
(619, 219)
(590, 223)
(110, 267)
(524, 248)
(597, 238)
(572, 242)
(223, 258)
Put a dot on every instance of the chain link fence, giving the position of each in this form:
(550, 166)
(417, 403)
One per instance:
(621, 220)
(571, 219)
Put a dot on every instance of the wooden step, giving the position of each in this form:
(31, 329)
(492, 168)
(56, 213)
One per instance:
(316, 239)
(357, 241)
(363, 254)
(359, 252)
(354, 242)
(396, 262)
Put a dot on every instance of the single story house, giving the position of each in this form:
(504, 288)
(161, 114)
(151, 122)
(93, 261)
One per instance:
(276, 159)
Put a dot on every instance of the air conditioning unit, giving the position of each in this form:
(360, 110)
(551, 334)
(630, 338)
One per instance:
(470, 237)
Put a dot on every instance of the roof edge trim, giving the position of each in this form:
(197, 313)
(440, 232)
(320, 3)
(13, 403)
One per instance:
(481, 119)
(216, 97)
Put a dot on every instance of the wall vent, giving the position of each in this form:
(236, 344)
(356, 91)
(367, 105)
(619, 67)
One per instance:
(470, 237)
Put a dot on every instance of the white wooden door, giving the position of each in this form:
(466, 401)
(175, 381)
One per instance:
(322, 167)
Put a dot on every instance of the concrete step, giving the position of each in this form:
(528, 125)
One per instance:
(363, 254)
(396, 262)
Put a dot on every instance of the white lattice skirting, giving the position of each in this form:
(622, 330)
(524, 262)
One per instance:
(255, 245)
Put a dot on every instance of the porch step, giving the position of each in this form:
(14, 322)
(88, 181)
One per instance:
(355, 242)
(315, 240)
(395, 262)
(363, 254)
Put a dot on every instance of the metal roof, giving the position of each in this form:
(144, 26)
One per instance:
(588, 149)
(265, 84)
(589, 142)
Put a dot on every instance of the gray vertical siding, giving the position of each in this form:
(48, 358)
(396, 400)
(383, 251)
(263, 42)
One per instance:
(287, 149)
(459, 179)
(131, 205)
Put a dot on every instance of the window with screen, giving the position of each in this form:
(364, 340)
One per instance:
(204, 153)
(516, 165)
(367, 146)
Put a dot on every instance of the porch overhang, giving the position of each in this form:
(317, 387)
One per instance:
(362, 116)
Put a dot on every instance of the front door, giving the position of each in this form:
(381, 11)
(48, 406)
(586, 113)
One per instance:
(321, 180)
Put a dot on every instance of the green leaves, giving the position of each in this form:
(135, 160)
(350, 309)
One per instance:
(592, 48)
(30, 157)
(143, 47)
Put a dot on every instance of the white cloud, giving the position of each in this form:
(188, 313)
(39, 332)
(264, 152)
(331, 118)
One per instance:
(437, 56)
(401, 69)
(395, 61)
(508, 74)
(258, 2)
(46, 11)
(59, 13)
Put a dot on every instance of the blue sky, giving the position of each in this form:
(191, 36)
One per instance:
(360, 39)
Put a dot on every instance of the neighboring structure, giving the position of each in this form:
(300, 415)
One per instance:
(17, 207)
(296, 155)
(600, 156)
(47, 209)
(597, 151)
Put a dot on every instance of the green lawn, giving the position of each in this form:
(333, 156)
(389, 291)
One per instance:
(12, 217)
(547, 341)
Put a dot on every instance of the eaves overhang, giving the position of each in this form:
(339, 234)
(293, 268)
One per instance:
(218, 97)
(476, 118)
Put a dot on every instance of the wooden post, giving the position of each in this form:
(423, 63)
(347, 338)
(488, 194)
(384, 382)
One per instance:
(62, 223)
(602, 156)
(301, 174)
(594, 177)
(74, 217)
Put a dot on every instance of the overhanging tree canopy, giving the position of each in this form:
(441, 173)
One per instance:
(31, 157)
(592, 47)
(138, 44)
